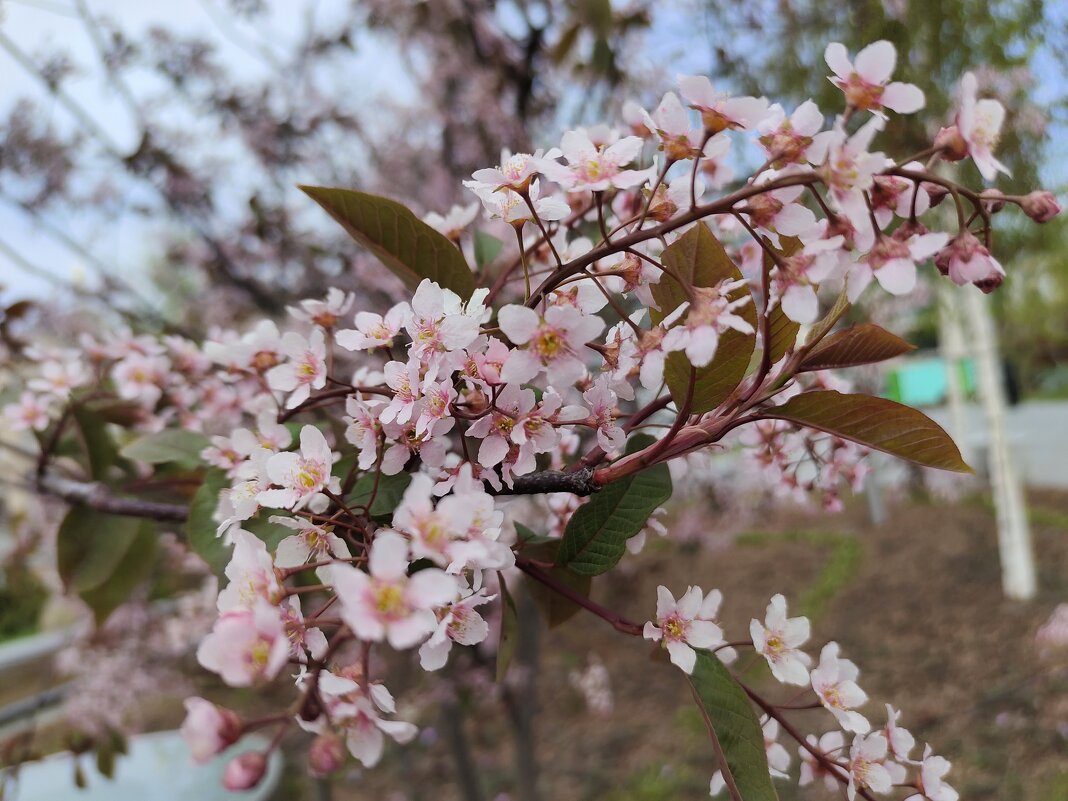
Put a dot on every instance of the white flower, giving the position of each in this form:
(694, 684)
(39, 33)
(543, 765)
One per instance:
(778, 640)
(866, 768)
(979, 123)
(301, 476)
(834, 682)
(866, 82)
(305, 369)
(685, 624)
(551, 343)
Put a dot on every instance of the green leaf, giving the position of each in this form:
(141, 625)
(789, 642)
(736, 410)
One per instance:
(876, 423)
(386, 499)
(100, 448)
(859, 344)
(173, 445)
(698, 259)
(200, 528)
(596, 535)
(104, 558)
(410, 248)
(487, 248)
(529, 537)
(90, 545)
(736, 726)
(509, 630)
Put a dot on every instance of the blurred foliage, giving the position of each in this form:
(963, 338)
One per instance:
(1017, 48)
(22, 597)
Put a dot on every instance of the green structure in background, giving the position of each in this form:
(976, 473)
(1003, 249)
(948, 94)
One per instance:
(924, 381)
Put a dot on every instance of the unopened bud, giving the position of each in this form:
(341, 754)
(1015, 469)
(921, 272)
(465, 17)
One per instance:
(936, 193)
(326, 754)
(1040, 206)
(993, 199)
(246, 771)
(951, 144)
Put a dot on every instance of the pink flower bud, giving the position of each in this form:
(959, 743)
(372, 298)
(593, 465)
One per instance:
(1040, 206)
(951, 143)
(245, 772)
(993, 199)
(326, 754)
(208, 729)
(966, 260)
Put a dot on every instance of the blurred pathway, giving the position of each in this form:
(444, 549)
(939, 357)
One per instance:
(1038, 431)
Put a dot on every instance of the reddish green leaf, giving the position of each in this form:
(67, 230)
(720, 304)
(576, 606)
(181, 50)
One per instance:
(698, 259)
(876, 423)
(859, 344)
(404, 243)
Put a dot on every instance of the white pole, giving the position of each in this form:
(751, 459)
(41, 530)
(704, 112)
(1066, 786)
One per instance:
(953, 346)
(1014, 535)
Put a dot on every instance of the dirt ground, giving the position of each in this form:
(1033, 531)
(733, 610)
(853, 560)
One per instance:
(915, 602)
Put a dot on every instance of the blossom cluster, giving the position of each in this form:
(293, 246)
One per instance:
(381, 503)
(876, 760)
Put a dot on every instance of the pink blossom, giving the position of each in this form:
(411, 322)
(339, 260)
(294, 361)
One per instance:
(848, 169)
(866, 83)
(404, 379)
(509, 206)
(363, 430)
(966, 260)
(515, 171)
(596, 168)
(670, 123)
(834, 682)
(245, 771)
(451, 225)
(900, 740)
(374, 330)
(787, 140)
(602, 403)
(324, 313)
(931, 784)
(251, 574)
(795, 281)
(892, 263)
(831, 746)
(551, 343)
(719, 111)
(305, 368)
(710, 315)
(300, 476)
(208, 730)
(59, 377)
(246, 646)
(457, 622)
(979, 124)
(779, 639)
(686, 624)
(326, 755)
(30, 411)
(311, 543)
(386, 603)
(866, 768)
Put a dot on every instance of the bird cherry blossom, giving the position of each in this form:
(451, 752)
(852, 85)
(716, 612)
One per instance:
(866, 765)
(386, 603)
(595, 168)
(709, 316)
(866, 82)
(930, 783)
(778, 639)
(552, 343)
(979, 125)
(374, 330)
(967, 261)
(683, 625)
(246, 646)
(834, 682)
(208, 730)
(719, 111)
(300, 476)
(305, 368)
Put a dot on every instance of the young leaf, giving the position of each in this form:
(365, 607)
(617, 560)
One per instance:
(409, 247)
(103, 557)
(732, 718)
(698, 259)
(134, 568)
(90, 545)
(174, 445)
(876, 423)
(509, 630)
(596, 535)
(100, 448)
(860, 344)
(200, 528)
(487, 248)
